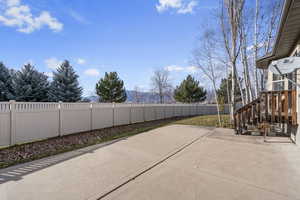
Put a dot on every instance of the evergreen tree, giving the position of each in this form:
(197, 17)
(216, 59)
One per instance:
(189, 91)
(65, 86)
(6, 84)
(31, 85)
(222, 91)
(111, 88)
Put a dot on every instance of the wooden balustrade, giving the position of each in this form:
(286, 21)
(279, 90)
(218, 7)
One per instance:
(271, 107)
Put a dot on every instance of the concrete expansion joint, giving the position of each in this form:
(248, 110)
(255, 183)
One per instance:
(147, 169)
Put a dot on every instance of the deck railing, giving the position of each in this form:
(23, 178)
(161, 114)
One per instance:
(271, 107)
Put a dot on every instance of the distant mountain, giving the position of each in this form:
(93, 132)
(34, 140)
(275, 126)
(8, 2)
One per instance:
(145, 97)
(92, 98)
(149, 97)
(133, 97)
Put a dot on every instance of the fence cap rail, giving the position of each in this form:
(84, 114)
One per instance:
(4, 107)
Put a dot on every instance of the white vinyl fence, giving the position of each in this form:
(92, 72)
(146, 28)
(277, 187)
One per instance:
(22, 122)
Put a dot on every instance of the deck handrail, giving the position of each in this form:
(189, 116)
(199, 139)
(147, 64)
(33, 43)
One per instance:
(270, 107)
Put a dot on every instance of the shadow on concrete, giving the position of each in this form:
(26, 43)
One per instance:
(16, 173)
(229, 135)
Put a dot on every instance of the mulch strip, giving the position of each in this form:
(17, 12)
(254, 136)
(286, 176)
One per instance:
(40, 149)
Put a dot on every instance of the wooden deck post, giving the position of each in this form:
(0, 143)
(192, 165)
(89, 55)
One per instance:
(286, 106)
(273, 102)
(294, 107)
(266, 107)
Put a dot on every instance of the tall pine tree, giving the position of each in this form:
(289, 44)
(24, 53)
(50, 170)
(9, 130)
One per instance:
(189, 91)
(65, 86)
(31, 85)
(111, 88)
(6, 84)
(222, 91)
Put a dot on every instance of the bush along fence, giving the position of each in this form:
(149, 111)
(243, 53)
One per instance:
(22, 122)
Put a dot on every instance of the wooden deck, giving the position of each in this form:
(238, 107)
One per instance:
(272, 107)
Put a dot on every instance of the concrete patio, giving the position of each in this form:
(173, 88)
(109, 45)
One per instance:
(174, 162)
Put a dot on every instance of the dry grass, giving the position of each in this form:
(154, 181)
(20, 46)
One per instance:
(207, 120)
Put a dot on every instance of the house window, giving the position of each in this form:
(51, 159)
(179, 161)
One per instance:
(292, 76)
(278, 82)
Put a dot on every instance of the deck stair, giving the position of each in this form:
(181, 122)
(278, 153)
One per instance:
(268, 115)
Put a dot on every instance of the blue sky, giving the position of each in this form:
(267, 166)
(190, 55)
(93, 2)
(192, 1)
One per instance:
(132, 37)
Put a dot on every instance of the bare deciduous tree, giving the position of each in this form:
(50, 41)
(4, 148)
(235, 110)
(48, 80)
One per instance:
(161, 84)
(137, 94)
(244, 57)
(257, 33)
(205, 58)
(268, 22)
(230, 22)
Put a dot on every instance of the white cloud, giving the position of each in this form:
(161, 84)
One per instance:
(180, 6)
(81, 61)
(53, 63)
(172, 68)
(260, 45)
(189, 8)
(13, 2)
(49, 74)
(92, 72)
(79, 18)
(192, 69)
(164, 5)
(15, 14)
(175, 68)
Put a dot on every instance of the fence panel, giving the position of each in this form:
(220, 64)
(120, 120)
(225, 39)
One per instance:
(202, 110)
(211, 109)
(226, 109)
(121, 114)
(193, 109)
(149, 112)
(35, 121)
(177, 110)
(199, 109)
(137, 113)
(4, 124)
(75, 118)
(102, 115)
(26, 122)
(160, 112)
(186, 110)
(169, 111)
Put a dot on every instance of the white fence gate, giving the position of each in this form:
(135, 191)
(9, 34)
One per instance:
(22, 122)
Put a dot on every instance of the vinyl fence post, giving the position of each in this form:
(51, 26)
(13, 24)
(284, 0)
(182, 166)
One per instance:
(181, 109)
(144, 117)
(155, 115)
(113, 115)
(174, 110)
(12, 122)
(91, 116)
(60, 118)
(130, 110)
